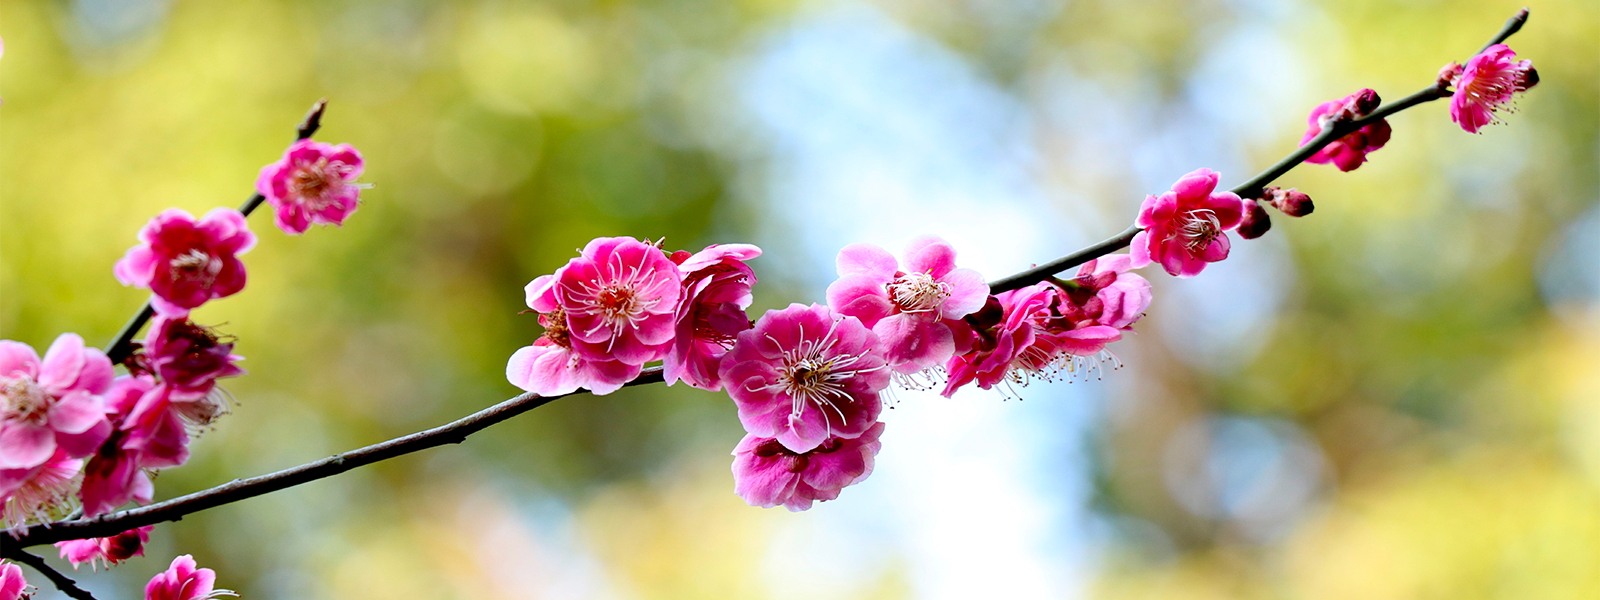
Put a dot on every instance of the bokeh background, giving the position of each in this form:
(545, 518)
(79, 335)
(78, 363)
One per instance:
(1396, 397)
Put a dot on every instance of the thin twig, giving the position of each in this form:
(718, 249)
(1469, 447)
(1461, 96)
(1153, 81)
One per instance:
(62, 582)
(121, 346)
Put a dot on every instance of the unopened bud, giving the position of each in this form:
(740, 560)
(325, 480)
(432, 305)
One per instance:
(1292, 202)
(1527, 79)
(1255, 223)
(124, 546)
(1364, 102)
(1448, 75)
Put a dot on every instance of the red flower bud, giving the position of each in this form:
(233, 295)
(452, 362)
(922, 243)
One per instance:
(1255, 223)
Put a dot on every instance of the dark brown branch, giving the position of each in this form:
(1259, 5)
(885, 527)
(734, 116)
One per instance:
(121, 346)
(62, 582)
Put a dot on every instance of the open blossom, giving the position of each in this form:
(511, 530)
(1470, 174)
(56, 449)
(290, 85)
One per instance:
(1350, 151)
(51, 404)
(12, 585)
(150, 434)
(313, 183)
(621, 300)
(1042, 330)
(716, 291)
(768, 474)
(183, 581)
(37, 493)
(1487, 86)
(1186, 228)
(186, 263)
(915, 311)
(1108, 292)
(804, 374)
(189, 357)
(106, 551)
(551, 367)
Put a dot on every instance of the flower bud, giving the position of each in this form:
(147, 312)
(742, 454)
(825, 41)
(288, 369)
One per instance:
(1364, 102)
(1292, 202)
(1449, 74)
(1256, 222)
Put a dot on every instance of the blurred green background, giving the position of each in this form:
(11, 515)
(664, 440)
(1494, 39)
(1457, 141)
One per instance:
(1396, 397)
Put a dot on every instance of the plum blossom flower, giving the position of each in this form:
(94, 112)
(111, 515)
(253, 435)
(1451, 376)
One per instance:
(186, 263)
(916, 312)
(183, 581)
(106, 551)
(551, 367)
(1107, 291)
(766, 473)
(1186, 228)
(621, 297)
(38, 492)
(313, 183)
(51, 404)
(1039, 332)
(189, 359)
(804, 374)
(716, 291)
(150, 434)
(1348, 152)
(1487, 85)
(12, 585)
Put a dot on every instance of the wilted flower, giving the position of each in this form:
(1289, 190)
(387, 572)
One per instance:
(190, 358)
(313, 183)
(766, 473)
(186, 263)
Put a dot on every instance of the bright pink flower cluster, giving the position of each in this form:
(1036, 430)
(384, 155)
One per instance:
(106, 551)
(1350, 151)
(184, 581)
(51, 415)
(1487, 86)
(313, 183)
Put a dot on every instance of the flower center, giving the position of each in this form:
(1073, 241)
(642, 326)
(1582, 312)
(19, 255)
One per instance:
(1199, 228)
(25, 401)
(618, 305)
(811, 377)
(312, 182)
(196, 265)
(555, 327)
(917, 292)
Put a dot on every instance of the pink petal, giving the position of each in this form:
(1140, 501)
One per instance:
(17, 358)
(24, 446)
(968, 292)
(930, 255)
(866, 259)
(62, 363)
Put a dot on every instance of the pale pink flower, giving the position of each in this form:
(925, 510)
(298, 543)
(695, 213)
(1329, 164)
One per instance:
(550, 367)
(186, 263)
(1186, 228)
(40, 492)
(12, 585)
(189, 357)
(1350, 151)
(804, 374)
(716, 291)
(915, 311)
(1487, 86)
(183, 581)
(313, 183)
(51, 404)
(621, 299)
(107, 551)
(766, 473)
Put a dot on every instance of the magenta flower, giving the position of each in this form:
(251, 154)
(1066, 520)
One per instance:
(1487, 85)
(551, 367)
(37, 493)
(186, 263)
(12, 585)
(313, 183)
(621, 298)
(1039, 331)
(804, 374)
(51, 404)
(1107, 292)
(182, 581)
(915, 311)
(1186, 228)
(1350, 151)
(766, 473)
(189, 357)
(716, 291)
(150, 433)
(106, 551)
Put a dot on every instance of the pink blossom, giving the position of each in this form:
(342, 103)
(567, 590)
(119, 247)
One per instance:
(12, 585)
(1291, 202)
(804, 374)
(186, 263)
(1186, 228)
(182, 581)
(106, 551)
(716, 291)
(36, 493)
(550, 367)
(915, 311)
(1350, 151)
(313, 183)
(1039, 332)
(189, 357)
(1108, 292)
(51, 404)
(621, 299)
(766, 473)
(1487, 86)
(150, 434)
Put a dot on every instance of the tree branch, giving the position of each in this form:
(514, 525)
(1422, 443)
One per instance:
(62, 582)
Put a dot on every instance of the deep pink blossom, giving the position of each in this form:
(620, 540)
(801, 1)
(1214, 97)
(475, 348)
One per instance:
(189, 357)
(183, 581)
(150, 433)
(1186, 228)
(1487, 85)
(186, 263)
(51, 404)
(12, 585)
(38, 493)
(621, 299)
(914, 311)
(1107, 291)
(766, 473)
(551, 367)
(716, 291)
(313, 183)
(1291, 202)
(804, 374)
(1040, 331)
(107, 551)
(1350, 151)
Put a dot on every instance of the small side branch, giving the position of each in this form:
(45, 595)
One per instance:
(62, 582)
